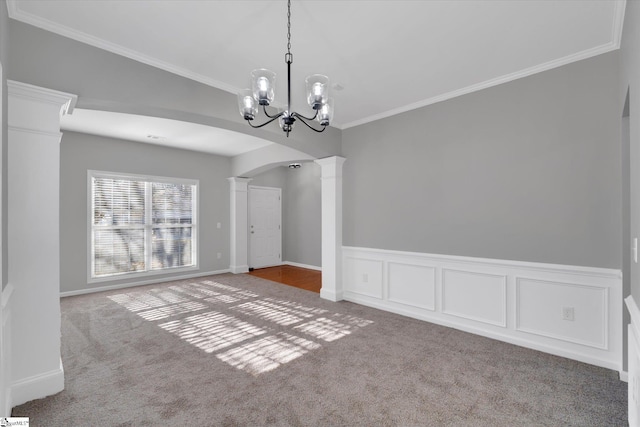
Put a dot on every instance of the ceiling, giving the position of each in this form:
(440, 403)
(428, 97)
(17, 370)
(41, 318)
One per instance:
(383, 57)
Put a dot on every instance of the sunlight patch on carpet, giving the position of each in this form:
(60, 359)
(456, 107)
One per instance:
(194, 290)
(280, 312)
(137, 301)
(268, 353)
(212, 331)
(220, 286)
(330, 330)
(171, 310)
(235, 297)
(223, 320)
(297, 307)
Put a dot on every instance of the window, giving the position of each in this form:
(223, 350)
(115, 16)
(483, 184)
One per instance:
(141, 225)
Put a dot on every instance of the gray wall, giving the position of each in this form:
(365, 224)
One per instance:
(275, 177)
(303, 228)
(528, 170)
(4, 56)
(301, 211)
(104, 80)
(80, 153)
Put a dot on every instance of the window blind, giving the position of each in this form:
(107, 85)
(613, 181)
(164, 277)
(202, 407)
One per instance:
(172, 219)
(141, 225)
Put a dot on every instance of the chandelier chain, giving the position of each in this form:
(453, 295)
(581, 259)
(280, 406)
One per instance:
(289, 27)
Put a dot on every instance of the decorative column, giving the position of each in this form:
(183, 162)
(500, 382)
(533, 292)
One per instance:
(331, 175)
(33, 181)
(239, 189)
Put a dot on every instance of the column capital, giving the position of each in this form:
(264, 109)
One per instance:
(331, 167)
(25, 90)
(36, 108)
(239, 179)
(239, 183)
(329, 161)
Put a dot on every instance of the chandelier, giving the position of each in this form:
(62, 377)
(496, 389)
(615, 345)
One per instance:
(262, 92)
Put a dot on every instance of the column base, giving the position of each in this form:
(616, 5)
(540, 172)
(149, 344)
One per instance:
(331, 295)
(238, 269)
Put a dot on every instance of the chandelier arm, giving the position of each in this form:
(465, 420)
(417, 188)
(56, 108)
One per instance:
(306, 118)
(265, 123)
(264, 108)
(302, 120)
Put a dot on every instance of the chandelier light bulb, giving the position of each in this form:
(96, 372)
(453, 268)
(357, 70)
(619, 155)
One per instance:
(263, 82)
(263, 87)
(325, 114)
(317, 90)
(247, 104)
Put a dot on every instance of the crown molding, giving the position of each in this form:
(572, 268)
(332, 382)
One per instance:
(585, 54)
(62, 30)
(616, 39)
(618, 22)
(616, 36)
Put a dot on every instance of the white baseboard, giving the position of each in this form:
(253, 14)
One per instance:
(140, 283)
(6, 410)
(37, 386)
(522, 303)
(624, 376)
(307, 266)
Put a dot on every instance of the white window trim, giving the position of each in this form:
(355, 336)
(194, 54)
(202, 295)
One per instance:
(126, 276)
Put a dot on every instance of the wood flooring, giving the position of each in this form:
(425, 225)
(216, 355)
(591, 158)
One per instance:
(303, 278)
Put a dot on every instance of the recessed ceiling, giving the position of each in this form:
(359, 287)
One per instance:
(387, 56)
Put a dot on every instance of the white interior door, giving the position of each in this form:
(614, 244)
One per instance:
(265, 231)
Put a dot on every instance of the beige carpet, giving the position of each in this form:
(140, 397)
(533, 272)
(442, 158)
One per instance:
(236, 350)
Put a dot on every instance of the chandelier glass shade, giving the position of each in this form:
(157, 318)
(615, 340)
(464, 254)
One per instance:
(262, 93)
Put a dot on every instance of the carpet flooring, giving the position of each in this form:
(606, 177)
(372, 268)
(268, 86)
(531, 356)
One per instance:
(236, 350)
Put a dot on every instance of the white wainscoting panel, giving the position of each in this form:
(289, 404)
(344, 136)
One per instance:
(475, 296)
(365, 276)
(412, 285)
(569, 311)
(540, 305)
